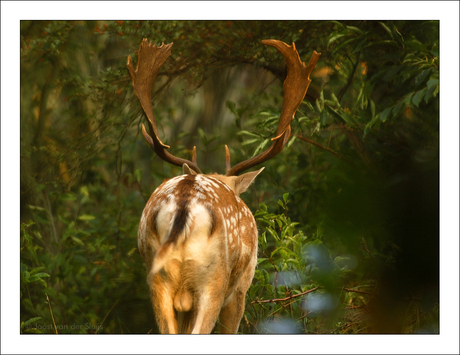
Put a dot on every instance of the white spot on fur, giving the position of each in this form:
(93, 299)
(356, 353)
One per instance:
(165, 218)
(214, 182)
(168, 186)
(245, 249)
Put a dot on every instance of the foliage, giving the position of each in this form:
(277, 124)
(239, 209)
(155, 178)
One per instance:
(303, 286)
(360, 170)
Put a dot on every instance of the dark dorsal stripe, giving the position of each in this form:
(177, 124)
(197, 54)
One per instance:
(184, 192)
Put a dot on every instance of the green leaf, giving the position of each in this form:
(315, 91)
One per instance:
(385, 27)
(290, 142)
(359, 99)
(407, 99)
(286, 198)
(23, 267)
(232, 107)
(36, 278)
(429, 93)
(417, 98)
(27, 322)
(323, 117)
(35, 269)
(340, 24)
(336, 100)
(202, 135)
(397, 35)
(138, 174)
(333, 39)
(273, 234)
(384, 114)
(264, 113)
(68, 197)
(84, 191)
(339, 47)
(261, 146)
(370, 125)
(250, 141)
(42, 274)
(39, 187)
(397, 108)
(131, 252)
(432, 82)
(419, 79)
(391, 73)
(38, 208)
(86, 217)
(362, 43)
(372, 108)
(247, 133)
(78, 240)
(354, 29)
(309, 105)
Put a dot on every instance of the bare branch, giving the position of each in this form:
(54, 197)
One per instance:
(287, 298)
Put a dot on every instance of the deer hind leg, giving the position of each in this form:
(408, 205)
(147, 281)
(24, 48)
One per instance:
(162, 294)
(232, 312)
(207, 313)
(209, 304)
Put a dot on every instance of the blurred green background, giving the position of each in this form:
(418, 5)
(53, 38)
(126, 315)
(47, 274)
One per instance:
(348, 213)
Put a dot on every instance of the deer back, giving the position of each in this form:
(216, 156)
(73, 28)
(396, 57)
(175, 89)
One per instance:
(192, 212)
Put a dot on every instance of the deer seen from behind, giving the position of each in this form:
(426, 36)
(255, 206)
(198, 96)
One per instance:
(197, 237)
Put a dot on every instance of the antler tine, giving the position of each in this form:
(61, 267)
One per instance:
(150, 60)
(194, 155)
(228, 166)
(295, 87)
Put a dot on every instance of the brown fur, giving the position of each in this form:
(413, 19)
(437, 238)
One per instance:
(199, 243)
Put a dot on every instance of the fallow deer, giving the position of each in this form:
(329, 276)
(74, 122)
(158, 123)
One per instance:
(197, 237)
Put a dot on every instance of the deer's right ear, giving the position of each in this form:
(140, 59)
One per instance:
(186, 170)
(242, 182)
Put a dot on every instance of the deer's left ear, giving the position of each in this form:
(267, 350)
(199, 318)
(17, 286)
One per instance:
(187, 170)
(242, 182)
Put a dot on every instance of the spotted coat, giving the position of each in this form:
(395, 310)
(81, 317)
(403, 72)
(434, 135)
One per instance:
(199, 243)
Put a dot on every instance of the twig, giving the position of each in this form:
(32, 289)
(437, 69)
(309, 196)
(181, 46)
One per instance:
(52, 316)
(287, 298)
(323, 147)
(306, 292)
(50, 215)
(271, 262)
(365, 248)
(106, 316)
(350, 79)
(357, 291)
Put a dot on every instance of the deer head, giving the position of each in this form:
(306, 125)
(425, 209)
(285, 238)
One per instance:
(197, 237)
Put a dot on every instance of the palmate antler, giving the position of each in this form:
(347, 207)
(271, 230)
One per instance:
(295, 87)
(150, 60)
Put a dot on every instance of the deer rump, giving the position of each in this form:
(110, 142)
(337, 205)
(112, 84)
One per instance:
(205, 255)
